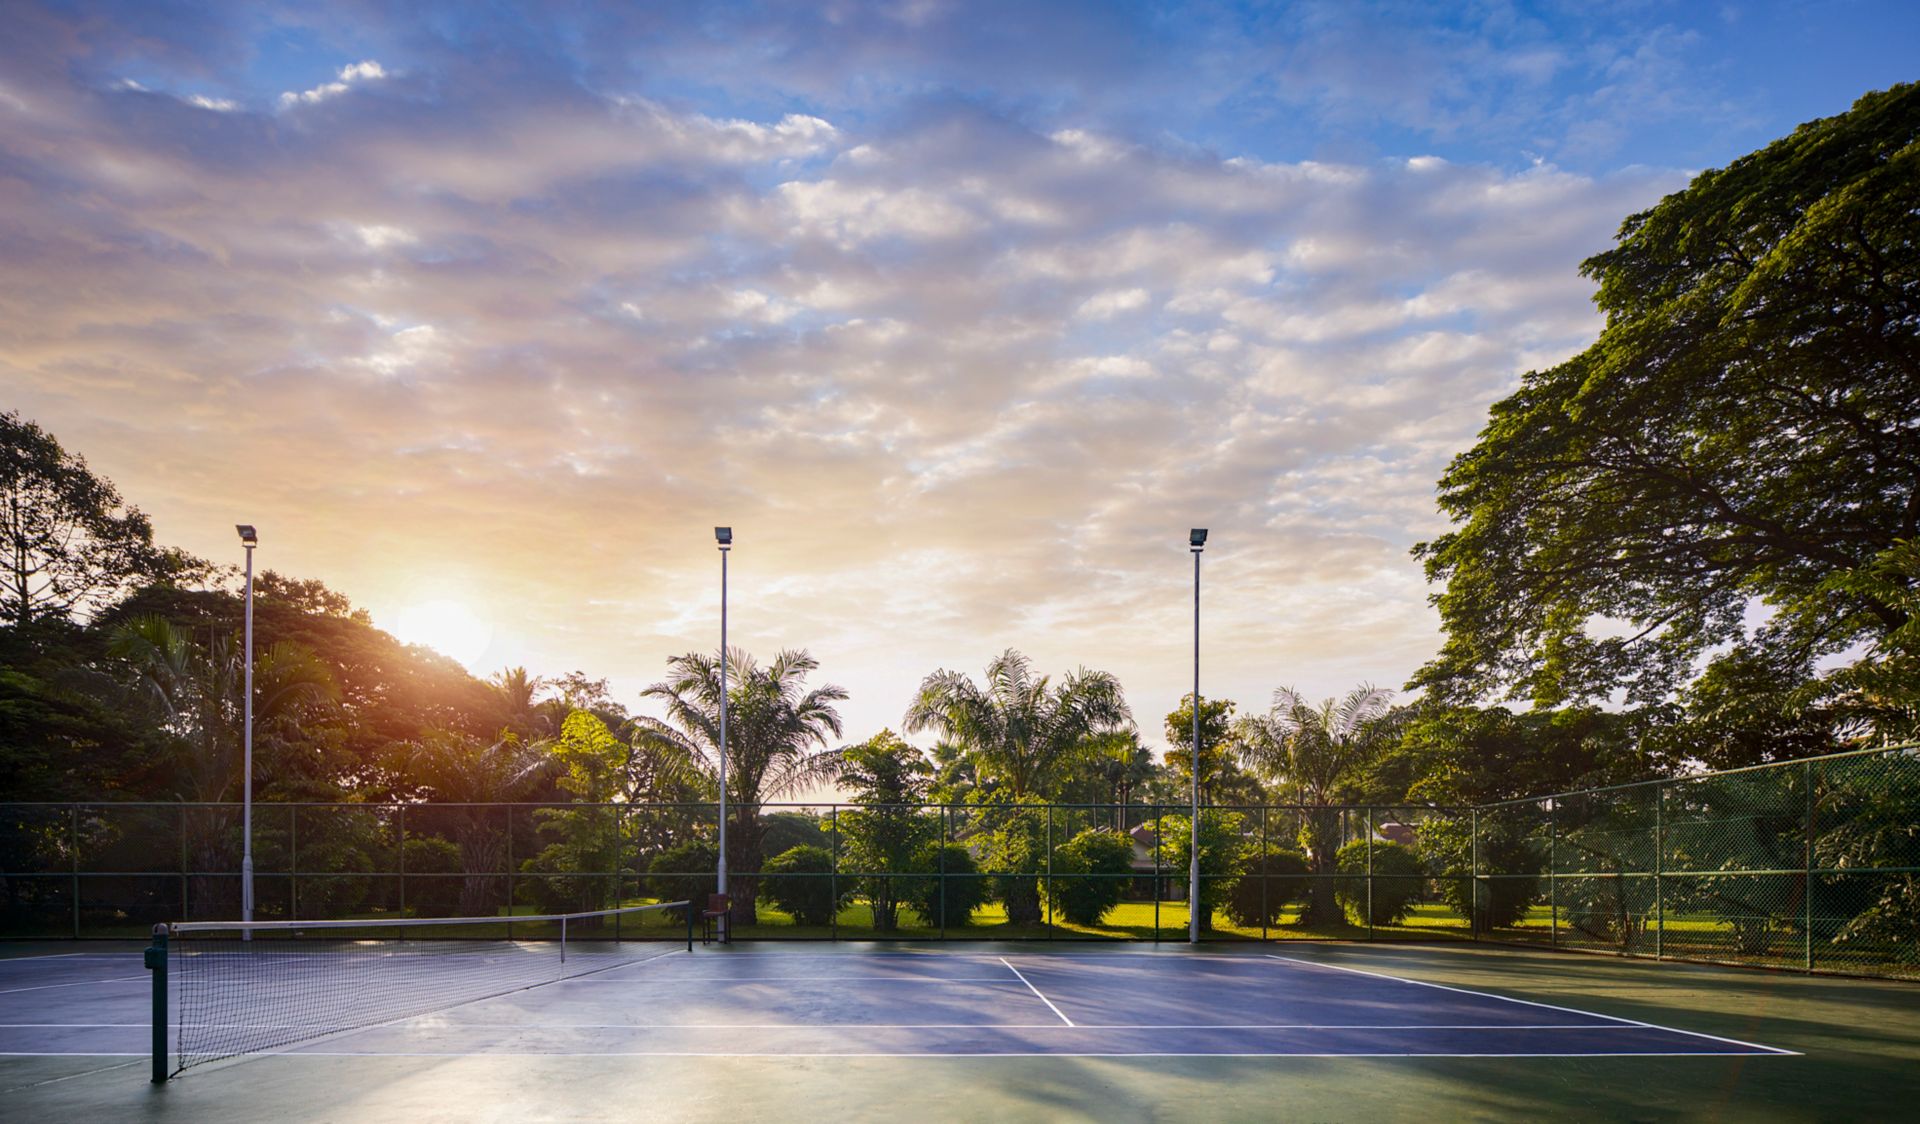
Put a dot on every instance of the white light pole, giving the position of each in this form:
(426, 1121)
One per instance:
(1196, 541)
(723, 536)
(248, 539)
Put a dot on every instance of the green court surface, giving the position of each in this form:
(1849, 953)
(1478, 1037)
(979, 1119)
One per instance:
(1855, 1044)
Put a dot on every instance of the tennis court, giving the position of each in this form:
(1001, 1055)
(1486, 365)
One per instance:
(736, 1002)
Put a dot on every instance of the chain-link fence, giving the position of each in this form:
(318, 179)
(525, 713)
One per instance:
(1812, 865)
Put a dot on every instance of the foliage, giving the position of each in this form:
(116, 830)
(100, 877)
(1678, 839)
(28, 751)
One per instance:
(956, 889)
(1090, 875)
(776, 737)
(1467, 755)
(68, 544)
(1266, 884)
(463, 770)
(1018, 729)
(1222, 840)
(887, 780)
(1398, 878)
(1743, 431)
(1221, 780)
(799, 881)
(1507, 847)
(1015, 854)
(684, 872)
(1311, 754)
(434, 896)
(787, 830)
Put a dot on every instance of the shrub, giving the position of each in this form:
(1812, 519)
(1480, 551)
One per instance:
(1220, 845)
(1015, 853)
(683, 872)
(965, 890)
(1090, 875)
(798, 880)
(1266, 884)
(437, 893)
(1447, 846)
(1397, 879)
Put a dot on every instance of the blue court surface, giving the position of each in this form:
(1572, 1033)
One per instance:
(744, 1002)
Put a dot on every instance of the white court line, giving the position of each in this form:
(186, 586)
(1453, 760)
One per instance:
(791, 979)
(841, 1026)
(75, 983)
(1036, 991)
(1532, 1003)
(296, 1053)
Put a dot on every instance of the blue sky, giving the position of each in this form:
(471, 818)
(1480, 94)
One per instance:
(960, 313)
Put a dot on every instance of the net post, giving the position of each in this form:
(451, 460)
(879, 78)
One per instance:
(688, 913)
(156, 962)
(563, 939)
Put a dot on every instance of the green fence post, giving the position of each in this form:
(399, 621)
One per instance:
(1806, 886)
(1553, 870)
(400, 834)
(156, 962)
(293, 862)
(1369, 821)
(1265, 843)
(1473, 872)
(940, 895)
(73, 843)
(1048, 924)
(1659, 864)
(508, 810)
(183, 864)
(833, 874)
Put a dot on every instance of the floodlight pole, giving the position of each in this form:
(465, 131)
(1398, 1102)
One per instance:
(249, 540)
(723, 536)
(1197, 541)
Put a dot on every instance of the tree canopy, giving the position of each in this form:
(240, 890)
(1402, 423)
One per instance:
(1742, 437)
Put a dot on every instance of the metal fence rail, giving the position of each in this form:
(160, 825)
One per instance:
(1813, 865)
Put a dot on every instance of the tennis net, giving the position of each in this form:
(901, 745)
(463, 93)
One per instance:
(234, 988)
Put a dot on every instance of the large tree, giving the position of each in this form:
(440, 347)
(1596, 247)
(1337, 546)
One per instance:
(777, 734)
(1743, 436)
(1020, 729)
(1313, 755)
(68, 544)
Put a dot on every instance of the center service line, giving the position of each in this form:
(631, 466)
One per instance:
(1036, 991)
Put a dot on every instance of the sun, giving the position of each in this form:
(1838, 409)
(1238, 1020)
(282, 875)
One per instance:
(448, 627)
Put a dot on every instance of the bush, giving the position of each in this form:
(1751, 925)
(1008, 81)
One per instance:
(437, 893)
(965, 891)
(1397, 879)
(1220, 846)
(798, 880)
(1090, 875)
(1016, 854)
(1266, 884)
(684, 872)
(1447, 846)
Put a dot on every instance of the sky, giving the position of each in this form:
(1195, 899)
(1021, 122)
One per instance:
(961, 315)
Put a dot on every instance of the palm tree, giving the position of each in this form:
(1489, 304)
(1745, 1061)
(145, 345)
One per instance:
(195, 693)
(1308, 753)
(458, 768)
(1018, 729)
(519, 692)
(777, 733)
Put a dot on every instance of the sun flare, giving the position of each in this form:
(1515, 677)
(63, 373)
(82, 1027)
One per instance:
(448, 627)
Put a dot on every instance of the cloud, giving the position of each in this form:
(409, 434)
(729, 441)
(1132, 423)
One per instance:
(960, 376)
(349, 76)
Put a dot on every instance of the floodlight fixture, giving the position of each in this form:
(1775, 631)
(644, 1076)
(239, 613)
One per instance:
(723, 536)
(247, 534)
(1197, 537)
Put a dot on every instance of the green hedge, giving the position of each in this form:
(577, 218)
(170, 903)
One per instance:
(798, 880)
(1397, 881)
